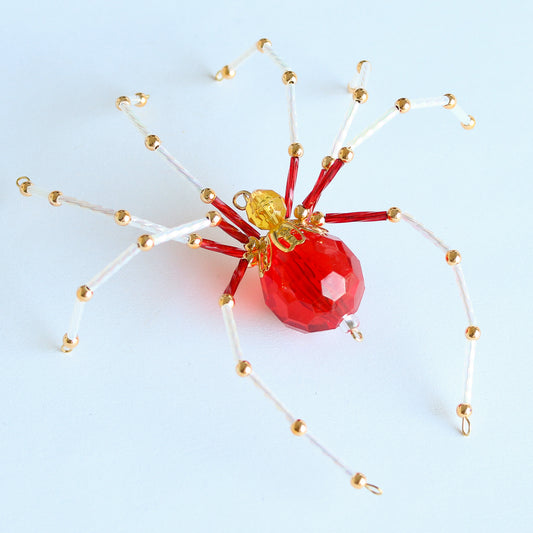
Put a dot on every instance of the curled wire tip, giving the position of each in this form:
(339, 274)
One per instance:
(466, 426)
(374, 489)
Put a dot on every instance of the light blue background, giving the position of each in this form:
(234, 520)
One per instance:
(146, 427)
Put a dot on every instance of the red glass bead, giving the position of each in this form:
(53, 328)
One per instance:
(312, 287)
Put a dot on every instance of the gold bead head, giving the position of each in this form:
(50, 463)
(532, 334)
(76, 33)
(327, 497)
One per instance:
(145, 242)
(346, 154)
(452, 102)
(122, 100)
(471, 124)
(227, 72)
(84, 294)
(472, 333)
(289, 77)
(226, 299)
(122, 217)
(194, 240)
(358, 481)
(152, 142)
(360, 95)
(55, 198)
(296, 150)
(24, 183)
(243, 368)
(266, 209)
(327, 162)
(394, 214)
(300, 212)
(69, 344)
(464, 410)
(141, 99)
(207, 196)
(402, 105)
(261, 43)
(453, 257)
(214, 217)
(318, 219)
(299, 427)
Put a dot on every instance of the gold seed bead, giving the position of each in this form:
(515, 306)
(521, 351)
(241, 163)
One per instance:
(214, 217)
(120, 100)
(152, 142)
(452, 102)
(145, 242)
(394, 214)
(360, 95)
(346, 154)
(289, 77)
(453, 257)
(360, 64)
(471, 124)
(464, 410)
(296, 150)
(359, 481)
(299, 427)
(227, 72)
(261, 43)
(55, 198)
(402, 105)
(243, 368)
(327, 162)
(300, 212)
(143, 98)
(318, 219)
(194, 240)
(472, 333)
(207, 196)
(122, 217)
(226, 299)
(69, 344)
(84, 294)
(24, 188)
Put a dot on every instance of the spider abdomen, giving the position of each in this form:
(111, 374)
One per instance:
(312, 287)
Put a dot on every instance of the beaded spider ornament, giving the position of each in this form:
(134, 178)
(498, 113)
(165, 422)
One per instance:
(310, 279)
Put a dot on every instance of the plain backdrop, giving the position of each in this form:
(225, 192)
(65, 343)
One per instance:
(146, 427)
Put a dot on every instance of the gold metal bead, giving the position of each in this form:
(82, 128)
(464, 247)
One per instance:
(227, 72)
(122, 217)
(214, 217)
(145, 242)
(359, 481)
(207, 196)
(84, 294)
(360, 64)
(346, 154)
(402, 105)
(69, 344)
(299, 427)
(289, 77)
(243, 368)
(300, 212)
(226, 299)
(472, 333)
(360, 95)
(143, 98)
(296, 150)
(327, 162)
(152, 142)
(261, 43)
(452, 102)
(55, 198)
(453, 257)
(194, 240)
(23, 183)
(464, 410)
(120, 100)
(318, 219)
(471, 124)
(394, 214)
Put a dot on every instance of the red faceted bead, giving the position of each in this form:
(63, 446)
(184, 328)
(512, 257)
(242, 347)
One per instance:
(312, 287)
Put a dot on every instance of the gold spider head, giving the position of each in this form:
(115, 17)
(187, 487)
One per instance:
(266, 209)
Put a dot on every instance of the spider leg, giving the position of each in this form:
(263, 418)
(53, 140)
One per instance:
(297, 426)
(289, 78)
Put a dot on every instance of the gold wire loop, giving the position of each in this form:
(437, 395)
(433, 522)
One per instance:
(466, 426)
(245, 195)
(219, 76)
(20, 182)
(374, 489)
(356, 334)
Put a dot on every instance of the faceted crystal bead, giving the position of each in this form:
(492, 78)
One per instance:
(312, 287)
